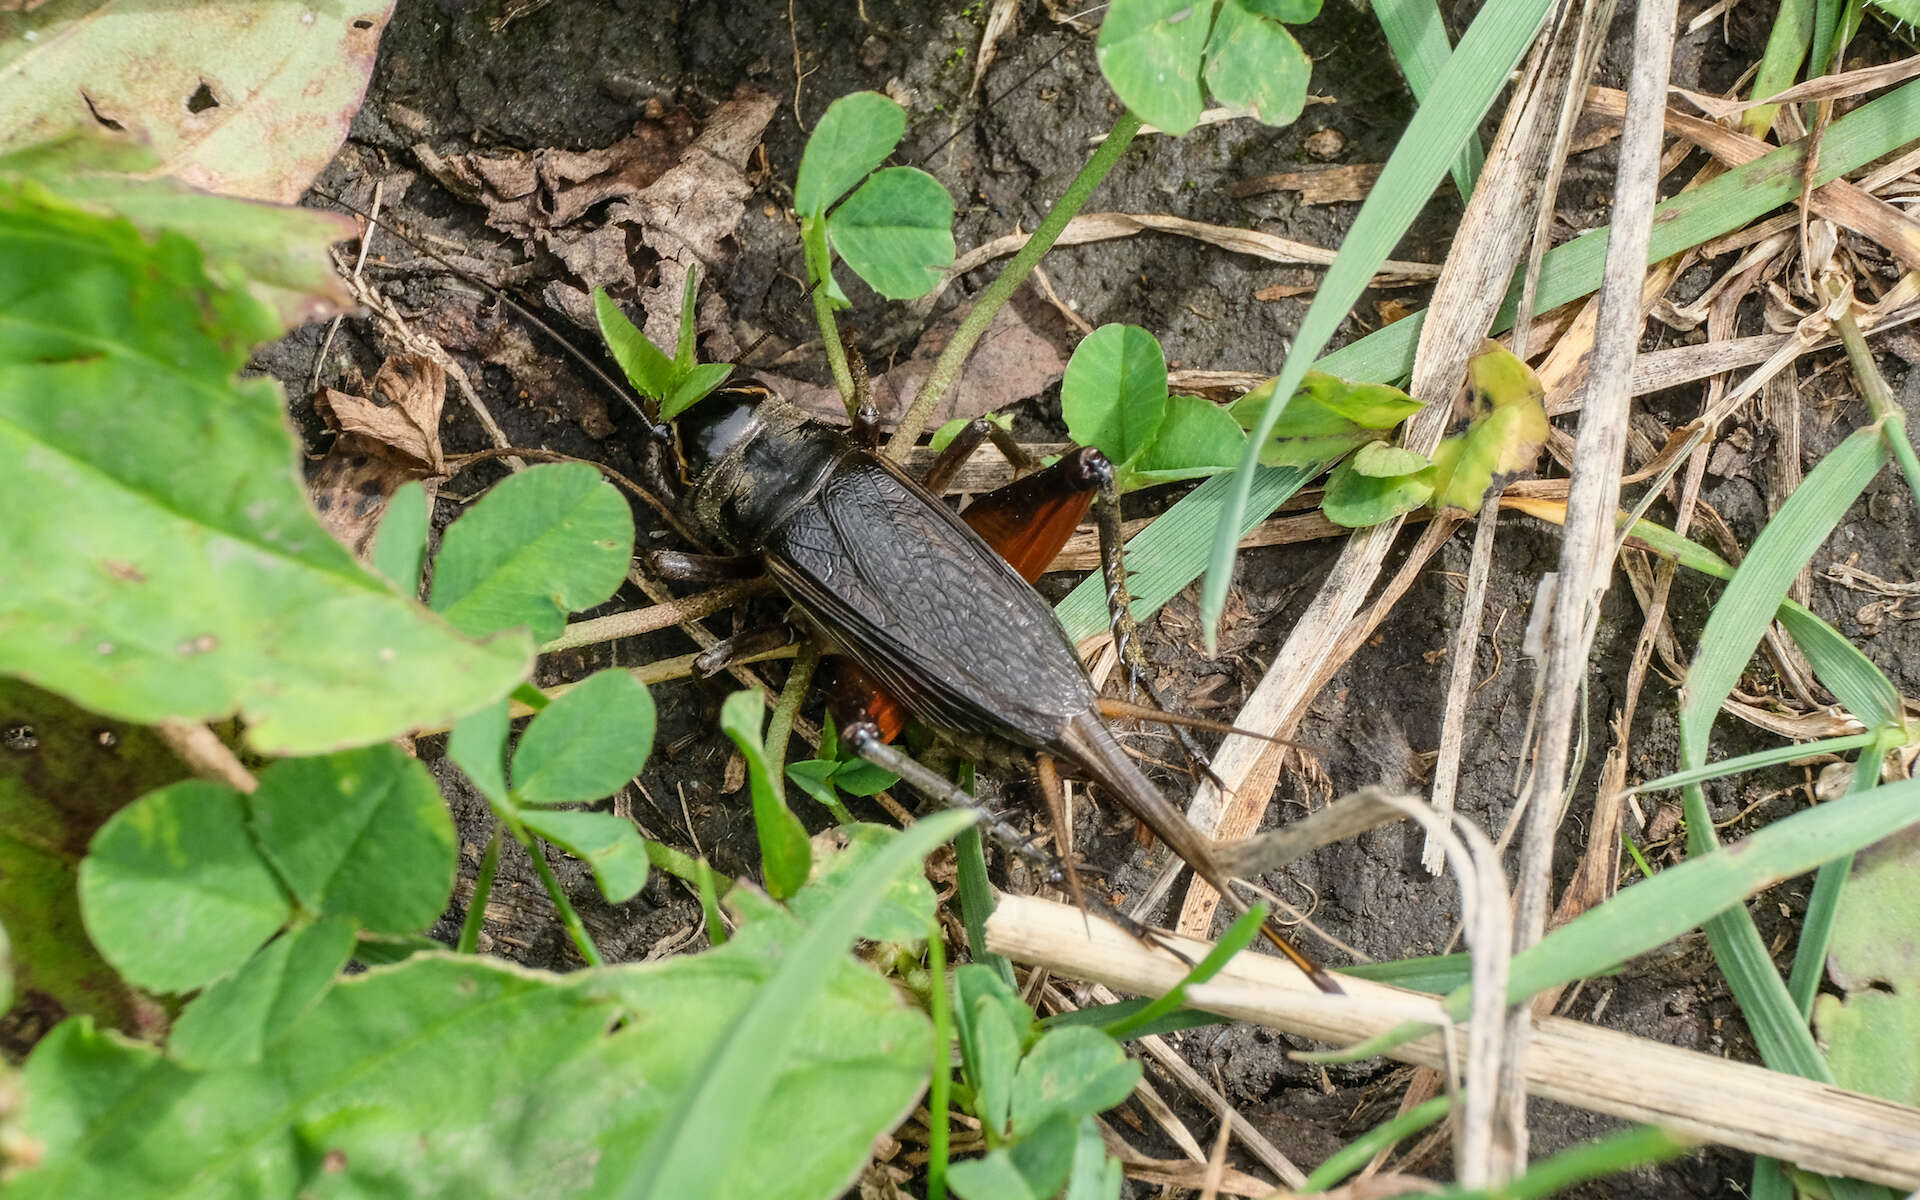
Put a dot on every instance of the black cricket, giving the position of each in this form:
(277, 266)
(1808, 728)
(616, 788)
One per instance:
(889, 576)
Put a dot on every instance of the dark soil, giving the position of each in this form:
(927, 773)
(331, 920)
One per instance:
(579, 74)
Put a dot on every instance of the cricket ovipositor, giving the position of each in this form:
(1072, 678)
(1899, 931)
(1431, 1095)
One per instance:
(886, 574)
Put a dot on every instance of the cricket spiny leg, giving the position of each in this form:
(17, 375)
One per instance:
(1055, 793)
(1126, 631)
(863, 738)
(729, 650)
(962, 448)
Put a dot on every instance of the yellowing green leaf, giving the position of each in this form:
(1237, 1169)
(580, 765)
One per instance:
(1356, 499)
(1508, 428)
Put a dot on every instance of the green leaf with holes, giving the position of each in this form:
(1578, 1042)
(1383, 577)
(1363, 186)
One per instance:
(63, 773)
(549, 541)
(534, 1083)
(146, 591)
(1508, 429)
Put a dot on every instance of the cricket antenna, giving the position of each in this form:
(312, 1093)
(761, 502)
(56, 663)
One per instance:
(655, 428)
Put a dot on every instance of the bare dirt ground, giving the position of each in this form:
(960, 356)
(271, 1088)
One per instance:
(581, 75)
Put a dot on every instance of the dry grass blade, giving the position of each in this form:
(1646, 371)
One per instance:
(1587, 552)
(1108, 226)
(1349, 816)
(1841, 202)
(637, 621)
(1819, 1127)
(1826, 87)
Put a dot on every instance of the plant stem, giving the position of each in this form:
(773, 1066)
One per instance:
(938, 1092)
(813, 236)
(482, 889)
(780, 724)
(1880, 401)
(947, 368)
(568, 917)
(710, 907)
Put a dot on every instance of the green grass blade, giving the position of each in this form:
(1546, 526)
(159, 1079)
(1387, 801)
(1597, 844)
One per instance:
(1816, 932)
(1102, 1015)
(1786, 49)
(1436, 974)
(1156, 568)
(976, 901)
(1469, 80)
(1649, 914)
(1356, 1154)
(1418, 38)
(1849, 674)
(1756, 761)
(1656, 911)
(1732, 633)
(1750, 601)
(1231, 943)
(691, 1149)
(1623, 1151)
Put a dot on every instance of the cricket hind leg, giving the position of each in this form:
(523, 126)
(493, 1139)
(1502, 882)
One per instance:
(1126, 630)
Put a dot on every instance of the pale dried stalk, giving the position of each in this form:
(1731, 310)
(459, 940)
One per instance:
(1586, 554)
(653, 618)
(1109, 226)
(1821, 1128)
(1841, 202)
(206, 755)
(1453, 728)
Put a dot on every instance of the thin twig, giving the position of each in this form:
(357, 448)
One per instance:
(206, 755)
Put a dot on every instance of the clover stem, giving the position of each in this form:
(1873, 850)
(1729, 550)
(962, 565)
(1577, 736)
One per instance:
(947, 368)
(569, 918)
(482, 890)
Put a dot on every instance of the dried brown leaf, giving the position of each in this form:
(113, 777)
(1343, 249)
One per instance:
(386, 440)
